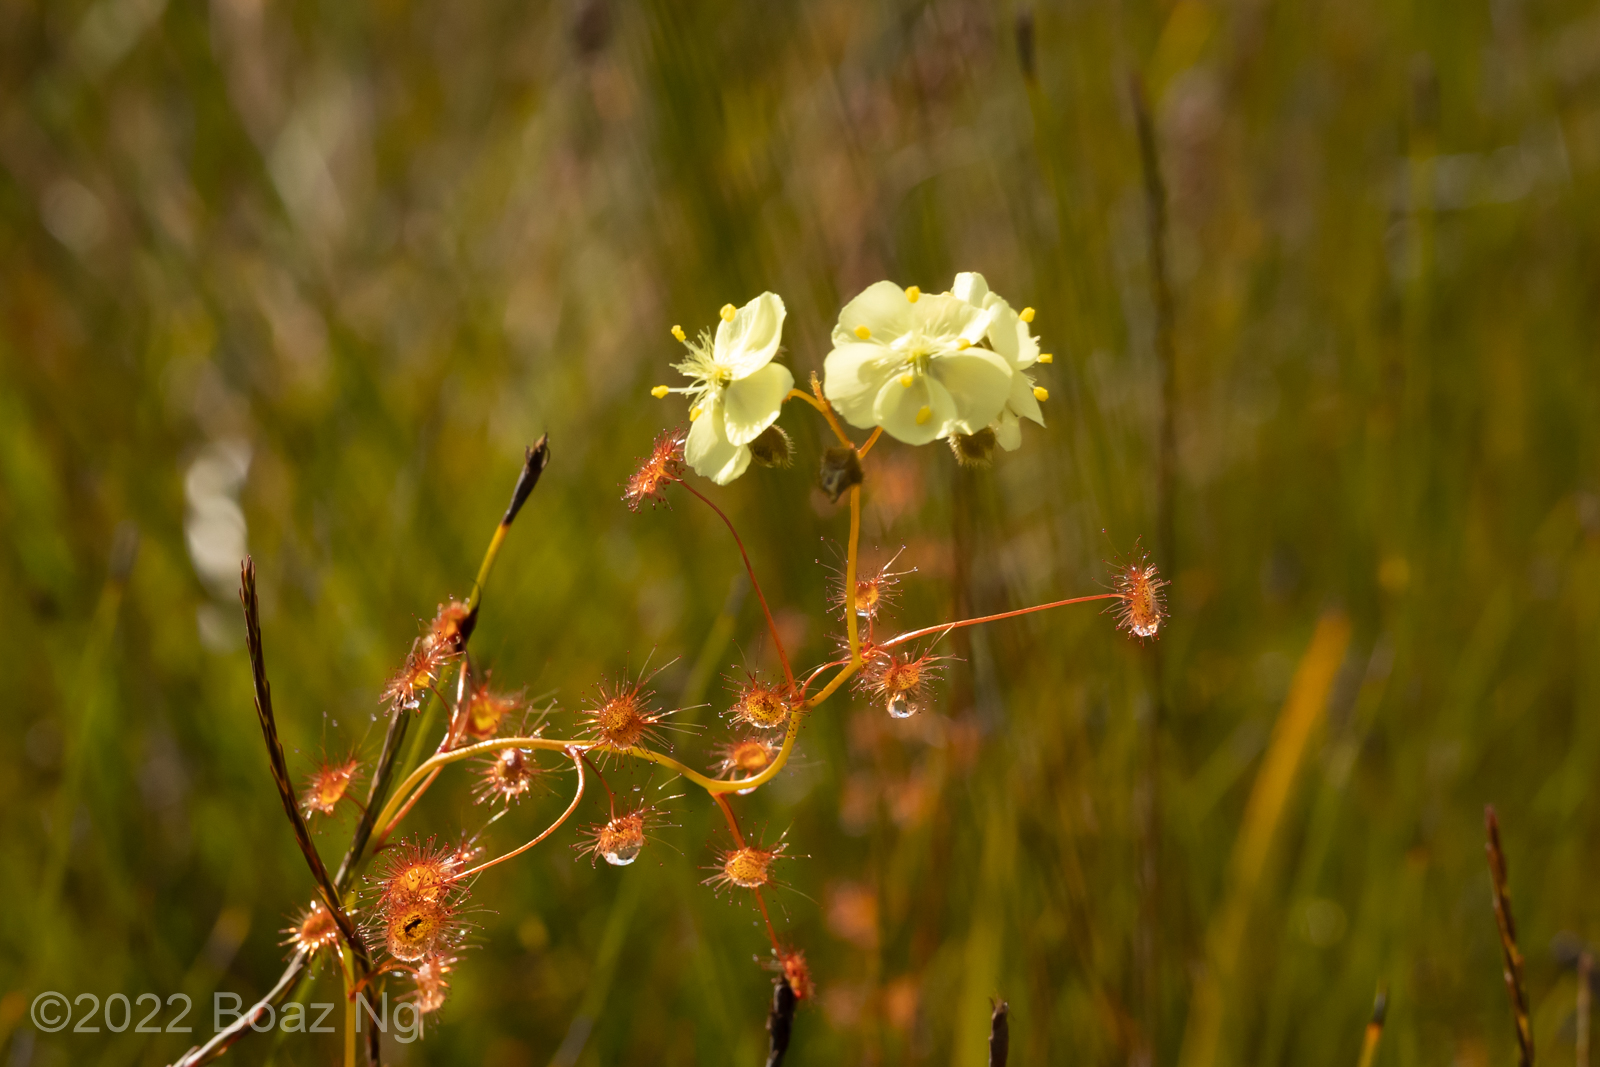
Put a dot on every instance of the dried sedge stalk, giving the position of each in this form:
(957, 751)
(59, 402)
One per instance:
(280, 766)
(1000, 1034)
(1508, 938)
(280, 777)
(1585, 973)
(534, 462)
(780, 1022)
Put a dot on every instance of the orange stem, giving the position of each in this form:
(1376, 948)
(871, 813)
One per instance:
(944, 628)
(872, 440)
(772, 626)
(552, 828)
(826, 408)
(405, 809)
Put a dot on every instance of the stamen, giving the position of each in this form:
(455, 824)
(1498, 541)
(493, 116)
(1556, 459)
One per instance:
(1046, 357)
(727, 312)
(913, 293)
(906, 380)
(863, 333)
(694, 413)
(660, 392)
(677, 331)
(923, 415)
(963, 344)
(1027, 315)
(1041, 393)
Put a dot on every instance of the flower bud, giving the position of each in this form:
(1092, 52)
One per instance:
(772, 448)
(841, 471)
(973, 449)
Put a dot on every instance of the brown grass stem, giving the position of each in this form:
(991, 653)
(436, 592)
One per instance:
(1585, 975)
(1515, 991)
(280, 768)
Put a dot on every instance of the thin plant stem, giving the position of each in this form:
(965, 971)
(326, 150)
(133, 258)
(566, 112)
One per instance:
(801, 394)
(872, 439)
(411, 802)
(1374, 1031)
(944, 628)
(738, 839)
(611, 798)
(350, 1018)
(1585, 973)
(821, 404)
(279, 766)
(577, 761)
(772, 626)
(224, 1038)
(1508, 938)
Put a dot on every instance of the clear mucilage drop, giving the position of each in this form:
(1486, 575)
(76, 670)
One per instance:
(901, 706)
(623, 854)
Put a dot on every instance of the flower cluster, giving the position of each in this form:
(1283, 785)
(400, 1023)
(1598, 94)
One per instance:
(916, 367)
(920, 366)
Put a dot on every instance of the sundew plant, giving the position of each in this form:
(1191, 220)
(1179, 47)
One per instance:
(907, 369)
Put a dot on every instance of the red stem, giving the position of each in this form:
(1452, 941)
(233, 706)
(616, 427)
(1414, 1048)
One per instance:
(738, 838)
(946, 627)
(772, 626)
(610, 796)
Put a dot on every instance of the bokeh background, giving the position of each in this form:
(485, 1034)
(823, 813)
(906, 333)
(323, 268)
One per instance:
(303, 279)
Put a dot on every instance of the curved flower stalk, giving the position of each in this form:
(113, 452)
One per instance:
(736, 391)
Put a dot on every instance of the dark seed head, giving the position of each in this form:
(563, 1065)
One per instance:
(841, 470)
(772, 448)
(973, 449)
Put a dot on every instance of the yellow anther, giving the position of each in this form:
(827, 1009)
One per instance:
(677, 331)
(660, 392)
(1045, 357)
(727, 312)
(963, 344)
(924, 413)
(913, 293)
(694, 412)
(1041, 393)
(906, 380)
(1027, 315)
(862, 332)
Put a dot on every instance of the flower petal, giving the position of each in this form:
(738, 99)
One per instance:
(1008, 431)
(979, 382)
(899, 405)
(709, 451)
(751, 404)
(750, 340)
(853, 375)
(971, 287)
(1010, 336)
(1021, 400)
(882, 308)
(945, 319)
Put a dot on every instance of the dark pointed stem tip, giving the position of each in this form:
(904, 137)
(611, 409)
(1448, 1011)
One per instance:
(1000, 1034)
(533, 465)
(780, 1022)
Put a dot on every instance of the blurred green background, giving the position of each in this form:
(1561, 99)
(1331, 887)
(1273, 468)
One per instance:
(303, 279)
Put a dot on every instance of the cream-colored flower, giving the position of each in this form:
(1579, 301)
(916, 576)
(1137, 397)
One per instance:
(1011, 338)
(737, 391)
(914, 364)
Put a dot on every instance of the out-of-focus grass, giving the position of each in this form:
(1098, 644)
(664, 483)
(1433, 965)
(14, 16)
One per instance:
(314, 274)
